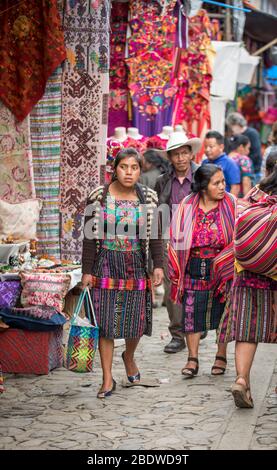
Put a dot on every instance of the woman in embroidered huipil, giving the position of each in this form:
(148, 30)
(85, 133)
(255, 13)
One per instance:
(201, 228)
(115, 263)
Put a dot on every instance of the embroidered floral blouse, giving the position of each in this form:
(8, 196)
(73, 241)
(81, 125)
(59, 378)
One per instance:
(208, 230)
(122, 221)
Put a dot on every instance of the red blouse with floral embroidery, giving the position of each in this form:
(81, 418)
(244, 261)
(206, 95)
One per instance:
(208, 230)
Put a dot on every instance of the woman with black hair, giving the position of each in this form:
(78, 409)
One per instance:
(201, 228)
(239, 148)
(154, 165)
(117, 241)
(252, 312)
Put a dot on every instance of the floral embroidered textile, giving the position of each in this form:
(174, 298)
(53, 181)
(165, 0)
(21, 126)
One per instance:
(122, 217)
(16, 180)
(208, 230)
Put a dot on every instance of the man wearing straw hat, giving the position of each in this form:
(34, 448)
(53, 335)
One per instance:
(171, 188)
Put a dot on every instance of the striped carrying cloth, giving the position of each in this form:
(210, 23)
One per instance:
(255, 245)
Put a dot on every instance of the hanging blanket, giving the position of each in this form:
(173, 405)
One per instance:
(32, 46)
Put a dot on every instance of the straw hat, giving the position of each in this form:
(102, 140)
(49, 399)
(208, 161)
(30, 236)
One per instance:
(178, 139)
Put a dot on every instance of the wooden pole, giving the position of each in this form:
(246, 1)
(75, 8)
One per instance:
(267, 46)
(228, 28)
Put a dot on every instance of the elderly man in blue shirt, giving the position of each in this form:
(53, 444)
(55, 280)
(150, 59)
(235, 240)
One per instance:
(214, 150)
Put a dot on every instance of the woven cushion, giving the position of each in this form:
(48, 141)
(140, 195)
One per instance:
(44, 289)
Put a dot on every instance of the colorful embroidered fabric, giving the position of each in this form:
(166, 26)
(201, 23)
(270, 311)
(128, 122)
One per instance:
(45, 123)
(118, 98)
(193, 78)
(122, 216)
(84, 115)
(32, 47)
(44, 289)
(151, 92)
(139, 144)
(150, 62)
(16, 181)
(156, 142)
(208, 230)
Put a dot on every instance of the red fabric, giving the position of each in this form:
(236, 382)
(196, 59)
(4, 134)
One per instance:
(30, 352)
(31, 48)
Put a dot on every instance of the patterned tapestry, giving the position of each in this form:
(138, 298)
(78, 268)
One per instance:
(84, 113)
(16, 175)
(31, 48)
(45, 122)
(118, 102)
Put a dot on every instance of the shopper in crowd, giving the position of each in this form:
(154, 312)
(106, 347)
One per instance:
(238, 125)
(272, 145)
(115, 263)
(239, 146)
(171, 188)
(214, 150)
(154, 165)
(201, 228)
(253, 297)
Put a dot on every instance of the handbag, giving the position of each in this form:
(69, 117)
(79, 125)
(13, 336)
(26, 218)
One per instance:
(83, 337)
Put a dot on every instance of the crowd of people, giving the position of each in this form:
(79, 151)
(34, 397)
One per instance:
(214, 248)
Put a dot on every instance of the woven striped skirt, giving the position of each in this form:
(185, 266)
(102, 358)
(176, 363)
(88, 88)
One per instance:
(202, 311)
(121, 295)
(250, 314)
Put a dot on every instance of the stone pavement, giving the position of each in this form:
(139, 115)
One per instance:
(61, 411)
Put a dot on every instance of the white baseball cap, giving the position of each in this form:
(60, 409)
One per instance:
(178, 139)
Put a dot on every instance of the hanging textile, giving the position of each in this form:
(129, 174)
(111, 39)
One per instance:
(31, 48)
(151, 53)
(16, 173)
(45, 122)
(192, 102)
(118, 99)
(84, 114)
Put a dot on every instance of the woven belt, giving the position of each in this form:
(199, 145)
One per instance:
(121, 284)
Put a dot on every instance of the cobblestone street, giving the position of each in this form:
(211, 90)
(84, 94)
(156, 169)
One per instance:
(61, 411)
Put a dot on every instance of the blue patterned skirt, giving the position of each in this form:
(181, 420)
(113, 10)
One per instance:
(202, 311)
(120, 312)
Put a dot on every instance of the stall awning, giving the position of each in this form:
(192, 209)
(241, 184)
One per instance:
(260, 26)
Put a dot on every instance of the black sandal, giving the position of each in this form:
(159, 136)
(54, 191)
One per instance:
(222, 369)
(191, 371)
